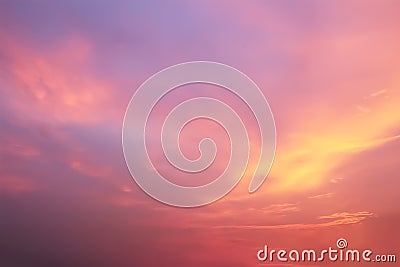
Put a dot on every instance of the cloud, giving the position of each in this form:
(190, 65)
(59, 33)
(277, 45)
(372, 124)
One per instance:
(336, 180)
(326, 195)
(336, 219)
(378, 93)
(348, 216)
(280, 209)
(55, 85)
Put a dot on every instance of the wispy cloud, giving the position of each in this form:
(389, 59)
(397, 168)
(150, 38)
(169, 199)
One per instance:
(360, 215)
(336, 219)
(326, 195)
(280, 209)
(378, 93)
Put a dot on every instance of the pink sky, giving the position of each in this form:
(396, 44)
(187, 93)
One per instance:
(330, 71)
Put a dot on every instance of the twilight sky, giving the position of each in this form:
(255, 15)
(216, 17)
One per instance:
(330, 71)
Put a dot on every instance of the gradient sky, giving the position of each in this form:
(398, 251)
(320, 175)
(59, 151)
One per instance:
(329, 69)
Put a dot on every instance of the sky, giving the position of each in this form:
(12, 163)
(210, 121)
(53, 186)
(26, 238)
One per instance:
(330, 71)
